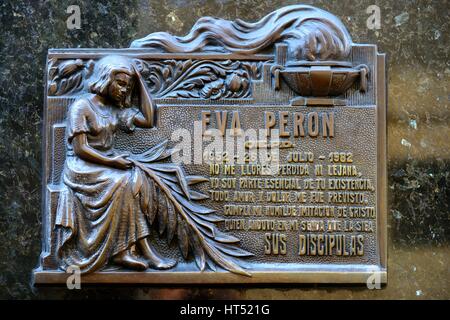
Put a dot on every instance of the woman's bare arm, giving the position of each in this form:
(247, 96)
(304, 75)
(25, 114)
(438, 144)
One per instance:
(142, 120)
(145, 119)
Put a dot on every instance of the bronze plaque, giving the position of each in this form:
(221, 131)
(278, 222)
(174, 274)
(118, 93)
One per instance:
(239, 153)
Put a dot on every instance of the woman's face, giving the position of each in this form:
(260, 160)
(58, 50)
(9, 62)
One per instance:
(120, 88)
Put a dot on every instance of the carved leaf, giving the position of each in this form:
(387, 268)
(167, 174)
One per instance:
(194, 195)
(162, 212)
(153, 194)
(52, 88)
(191, 180)
(166, 73)
(233, 250)
(211, 218)
(211, 264)
(172, 168)
(187, 64)
(171, 222)
(183, 239)
(225, 238)
(52, 72)
(180, 94)
(192, 206)
(69, 67)
(153, 153)
(199, 253)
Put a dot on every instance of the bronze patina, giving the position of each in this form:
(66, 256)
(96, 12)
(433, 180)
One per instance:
(239, 153)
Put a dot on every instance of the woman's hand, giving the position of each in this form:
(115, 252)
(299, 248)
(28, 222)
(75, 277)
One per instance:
(121, 162)
(85, 152)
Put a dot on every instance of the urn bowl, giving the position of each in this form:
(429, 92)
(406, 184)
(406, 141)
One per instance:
(323, 79)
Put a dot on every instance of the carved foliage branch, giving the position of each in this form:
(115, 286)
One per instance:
(67, 77)
(170, 205)
(202, 79)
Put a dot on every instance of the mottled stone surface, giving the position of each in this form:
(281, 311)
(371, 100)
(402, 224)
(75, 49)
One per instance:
(414, 34)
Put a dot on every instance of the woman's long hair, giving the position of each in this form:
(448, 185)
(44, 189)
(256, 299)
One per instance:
(103, 76)
(104, 71)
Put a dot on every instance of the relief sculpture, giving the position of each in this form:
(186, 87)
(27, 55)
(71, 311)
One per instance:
(122, 209)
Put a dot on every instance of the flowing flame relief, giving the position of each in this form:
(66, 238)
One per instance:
(311, 34)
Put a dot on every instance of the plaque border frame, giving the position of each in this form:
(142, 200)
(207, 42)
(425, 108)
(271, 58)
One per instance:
(343, 273)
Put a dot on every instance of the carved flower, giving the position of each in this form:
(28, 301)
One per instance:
(233, 84)
(236, 82)
(213, 90)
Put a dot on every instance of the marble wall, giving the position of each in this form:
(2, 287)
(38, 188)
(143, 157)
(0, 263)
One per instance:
(413, 33)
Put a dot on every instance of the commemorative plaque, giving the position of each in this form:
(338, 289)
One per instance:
(239, 153)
